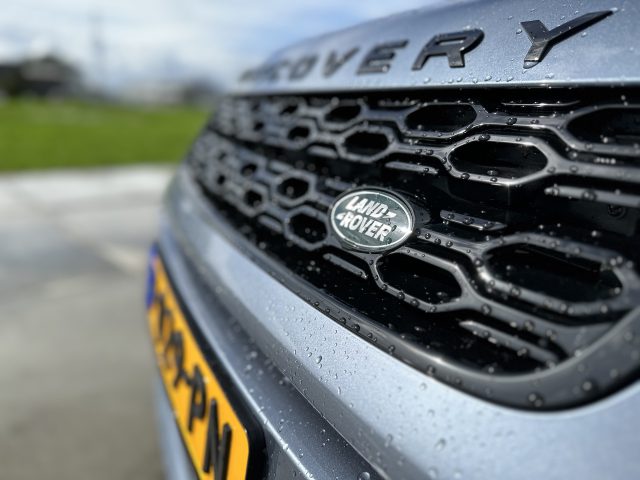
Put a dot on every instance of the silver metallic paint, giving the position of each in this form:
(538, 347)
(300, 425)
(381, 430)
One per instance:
(407, 424)
(299, 442)
(604, 53)
(177, 464)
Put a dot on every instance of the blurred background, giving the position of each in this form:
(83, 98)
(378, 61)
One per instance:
(99, 99)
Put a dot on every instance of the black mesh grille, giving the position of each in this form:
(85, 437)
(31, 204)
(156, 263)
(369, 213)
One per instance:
(520, 283)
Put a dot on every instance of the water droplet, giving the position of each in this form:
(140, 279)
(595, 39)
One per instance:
(535, 399)
(587, 386)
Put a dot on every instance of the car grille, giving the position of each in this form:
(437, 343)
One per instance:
(520, 282)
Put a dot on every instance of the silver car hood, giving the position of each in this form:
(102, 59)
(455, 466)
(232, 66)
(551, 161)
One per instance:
(600, 49)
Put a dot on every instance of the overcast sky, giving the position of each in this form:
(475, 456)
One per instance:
(120, 42)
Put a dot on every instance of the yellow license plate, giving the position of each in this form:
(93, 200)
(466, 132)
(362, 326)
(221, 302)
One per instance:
(217, 440)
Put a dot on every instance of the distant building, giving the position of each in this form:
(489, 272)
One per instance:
(44, 76)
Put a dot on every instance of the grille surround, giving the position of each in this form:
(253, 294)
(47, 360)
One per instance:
(562, 377)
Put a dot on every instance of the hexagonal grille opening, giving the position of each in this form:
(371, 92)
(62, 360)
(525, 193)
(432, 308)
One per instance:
(253, 199)
(308, 228)
(298, 133)
(293, 187)
(221, 179)
(289, 109)
(248, 170)
(609, 125)
(418, 279)
(442, 118)
(366, 143)
(343, 113)
(557, 274)
(502, 160)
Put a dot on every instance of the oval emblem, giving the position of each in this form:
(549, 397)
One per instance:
(371, 220)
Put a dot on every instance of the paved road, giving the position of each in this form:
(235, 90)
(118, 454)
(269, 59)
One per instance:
(75, 366)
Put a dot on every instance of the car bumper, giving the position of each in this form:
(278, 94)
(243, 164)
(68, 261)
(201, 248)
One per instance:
(176, 461)
(333, 405)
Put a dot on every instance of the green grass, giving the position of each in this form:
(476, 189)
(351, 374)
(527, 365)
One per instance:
(36, 134)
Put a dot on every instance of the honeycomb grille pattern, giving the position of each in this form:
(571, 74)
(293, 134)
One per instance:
(520, 282)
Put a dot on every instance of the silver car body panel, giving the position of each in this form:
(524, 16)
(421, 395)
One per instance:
(345, 400)
(298, 441)
(176, 461)
(606, 52)
(409, 426)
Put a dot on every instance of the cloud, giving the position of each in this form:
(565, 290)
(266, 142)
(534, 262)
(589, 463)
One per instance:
(117, 42)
